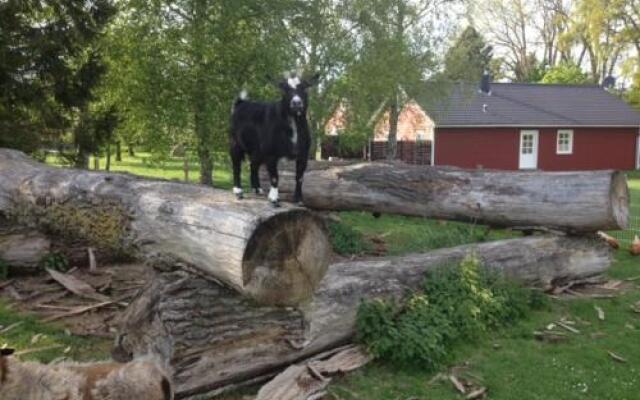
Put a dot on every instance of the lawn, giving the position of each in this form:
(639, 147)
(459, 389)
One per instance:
(510, 362)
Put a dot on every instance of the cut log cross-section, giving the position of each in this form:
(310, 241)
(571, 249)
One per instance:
(580, 201)
(216, 340)
(274, 256)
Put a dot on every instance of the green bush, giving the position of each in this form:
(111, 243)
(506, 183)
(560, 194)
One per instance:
(456, 303)
(55, 261)
(346, 240)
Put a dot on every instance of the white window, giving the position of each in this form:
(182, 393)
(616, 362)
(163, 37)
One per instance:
(565, 141)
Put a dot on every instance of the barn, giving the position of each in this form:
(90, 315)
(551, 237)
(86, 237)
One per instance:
(513, 126)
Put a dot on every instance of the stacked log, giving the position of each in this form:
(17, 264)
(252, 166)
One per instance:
(217, 340)
(575, 202)
(241, 289)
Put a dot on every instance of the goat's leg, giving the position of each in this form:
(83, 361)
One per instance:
(255, 177)
(301, 166)
(236, 159)
(272, 167)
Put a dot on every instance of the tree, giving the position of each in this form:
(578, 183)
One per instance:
(469, 57)
(566, 73)
(47, 67)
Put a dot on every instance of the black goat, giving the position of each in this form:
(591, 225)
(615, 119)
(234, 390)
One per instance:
(267, 132)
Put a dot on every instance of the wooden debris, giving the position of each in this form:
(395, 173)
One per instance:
(93, 267)
(476, 394)
(568, 327)
(616, 357)
(76, 286)
(611, 241)
(6, 283)
(600, 312)
(457, 384)
(81, 310)
(308, 381)
(635, 246)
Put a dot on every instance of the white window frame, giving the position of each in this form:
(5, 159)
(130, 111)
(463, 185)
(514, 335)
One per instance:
(560, 132)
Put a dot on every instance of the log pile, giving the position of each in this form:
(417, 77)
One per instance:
(240, 290)
(575, 202)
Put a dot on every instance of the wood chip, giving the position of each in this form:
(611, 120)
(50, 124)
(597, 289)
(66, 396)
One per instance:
(77, 286)
(6, 283)
(476, 394)
(568, 327)
(600, 312)
(38, 349)
(93, 268)
(80, 310)
(616, 357)
(457, 384)
(635, 278)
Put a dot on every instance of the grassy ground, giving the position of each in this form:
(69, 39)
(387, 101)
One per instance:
(510, 363)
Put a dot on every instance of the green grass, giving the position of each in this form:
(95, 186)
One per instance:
(30, 333)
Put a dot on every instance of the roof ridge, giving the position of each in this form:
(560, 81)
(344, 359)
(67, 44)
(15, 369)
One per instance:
(538, 84)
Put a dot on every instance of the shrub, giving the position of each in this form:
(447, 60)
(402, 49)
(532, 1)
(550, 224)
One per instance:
(56, 261)
(346, 240)
(456, 303)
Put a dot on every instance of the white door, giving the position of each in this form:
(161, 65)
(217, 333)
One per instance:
(528, 149)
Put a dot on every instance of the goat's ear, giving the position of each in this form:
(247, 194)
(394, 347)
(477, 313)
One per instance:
(6, 352)
(312, 81)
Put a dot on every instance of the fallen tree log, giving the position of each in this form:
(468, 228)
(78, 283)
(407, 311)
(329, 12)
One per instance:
(216, 339)
(23, 249)
(274, 256)
(580, 201)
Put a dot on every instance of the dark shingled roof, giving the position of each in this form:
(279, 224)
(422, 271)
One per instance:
(532, 105)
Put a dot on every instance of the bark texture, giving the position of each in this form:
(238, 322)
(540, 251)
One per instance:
(274, 256)
(217, 340)
(582, 201)
(23, 249)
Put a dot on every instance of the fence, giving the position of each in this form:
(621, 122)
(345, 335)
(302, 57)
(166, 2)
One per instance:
(411, 152)
(626, 237)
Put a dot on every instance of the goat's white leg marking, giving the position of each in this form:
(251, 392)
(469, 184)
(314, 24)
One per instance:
(273, 194)
(237, 190)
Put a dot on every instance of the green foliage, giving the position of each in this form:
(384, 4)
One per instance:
(469, 57)
(566, 73)
(456, 303)
(55, 261)
(346, 240)
(47, 66)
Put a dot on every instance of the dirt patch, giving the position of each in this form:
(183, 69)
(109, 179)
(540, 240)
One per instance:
(43, 296)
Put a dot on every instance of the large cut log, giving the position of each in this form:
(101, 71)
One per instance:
(580, 201)
(216, 339)
(23, 249)
(274, 256)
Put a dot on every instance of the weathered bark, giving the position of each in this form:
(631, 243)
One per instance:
(275, 256)
(23, 249)
(581, 201)
(118, 151)
(216, 339)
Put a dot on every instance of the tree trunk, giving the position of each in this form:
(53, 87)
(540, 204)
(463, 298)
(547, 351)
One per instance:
(23, 249)
(202, 128)
(273, 255)
(216, 339)
(392, 140)
(565, 201)
(118, 151)
(107, 166)
(130, 150)
(96, 161)
(185, 166)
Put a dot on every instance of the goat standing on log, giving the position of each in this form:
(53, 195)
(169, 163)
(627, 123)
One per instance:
(267, 132)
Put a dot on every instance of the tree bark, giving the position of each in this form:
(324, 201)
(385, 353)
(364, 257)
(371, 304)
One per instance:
(118, 151)
(107, 166)
(272, 255)
(392, 139)
(564, 201)
(216, 339)
(23, 249)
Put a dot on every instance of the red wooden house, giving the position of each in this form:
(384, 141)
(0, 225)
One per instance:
(532, 126)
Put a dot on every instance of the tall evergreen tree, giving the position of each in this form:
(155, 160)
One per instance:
(469, 57)
(47, 67)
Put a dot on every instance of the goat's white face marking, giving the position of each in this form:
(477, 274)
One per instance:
(273, 194)
(293, 82)
(237, 190)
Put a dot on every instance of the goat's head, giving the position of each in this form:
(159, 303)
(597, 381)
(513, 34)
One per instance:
(294, 93)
